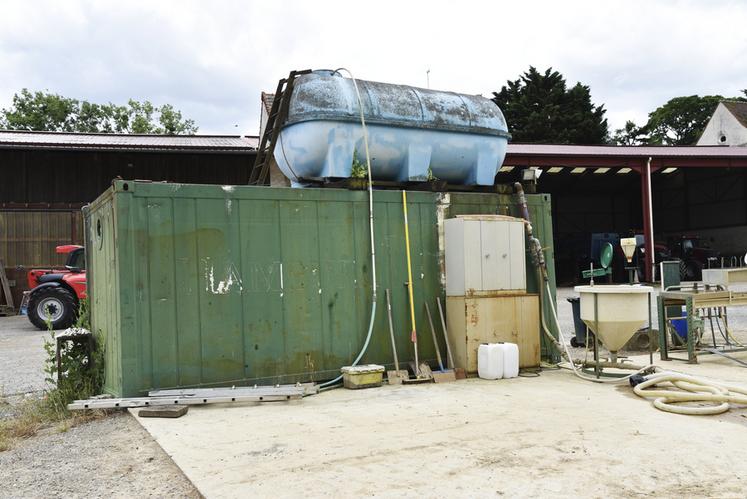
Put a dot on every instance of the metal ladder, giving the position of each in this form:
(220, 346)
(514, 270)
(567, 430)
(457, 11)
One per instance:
(200, 396)
(260, 174)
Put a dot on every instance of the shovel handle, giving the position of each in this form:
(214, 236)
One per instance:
(435, 340)
(391, 328)
(443, 327)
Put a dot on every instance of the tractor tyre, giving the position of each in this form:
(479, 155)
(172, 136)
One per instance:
(55, 306)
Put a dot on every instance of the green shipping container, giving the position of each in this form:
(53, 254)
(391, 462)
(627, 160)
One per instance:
(204, 285)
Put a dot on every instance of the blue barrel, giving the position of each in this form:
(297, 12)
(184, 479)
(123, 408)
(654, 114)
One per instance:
(680, 325)
(413, 133)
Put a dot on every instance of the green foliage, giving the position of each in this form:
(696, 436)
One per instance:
(539, 108)
(76, 378)
(43, 111)
(630, 135)
(681, 120)
(430, 176)
(358, 169)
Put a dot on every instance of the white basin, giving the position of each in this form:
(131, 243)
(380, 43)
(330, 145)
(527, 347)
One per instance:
(621, 311)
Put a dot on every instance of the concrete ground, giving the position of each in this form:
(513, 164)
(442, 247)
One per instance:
(553, 435)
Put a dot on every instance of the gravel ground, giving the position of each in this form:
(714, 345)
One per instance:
(21, 356)
(113, 456)
(110, 457)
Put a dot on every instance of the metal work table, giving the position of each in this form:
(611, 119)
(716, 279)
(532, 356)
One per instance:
(693, 299)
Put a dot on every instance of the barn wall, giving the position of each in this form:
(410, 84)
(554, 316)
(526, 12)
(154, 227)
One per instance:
(42, 191)
(51, 176)
(707, 202)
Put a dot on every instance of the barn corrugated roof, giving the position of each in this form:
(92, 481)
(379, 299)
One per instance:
(129, 142)
(627, 151)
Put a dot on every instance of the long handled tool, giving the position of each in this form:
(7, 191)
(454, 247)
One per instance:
(420, 373)
(458, 371)
(443, 375)
(397, 376)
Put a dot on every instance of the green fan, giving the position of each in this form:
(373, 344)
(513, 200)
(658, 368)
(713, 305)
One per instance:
(605, 259)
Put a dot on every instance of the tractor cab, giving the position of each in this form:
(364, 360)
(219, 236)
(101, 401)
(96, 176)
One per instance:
(76, 257)
(56, 293)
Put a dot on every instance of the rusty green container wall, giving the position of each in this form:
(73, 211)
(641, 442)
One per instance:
(198, 285)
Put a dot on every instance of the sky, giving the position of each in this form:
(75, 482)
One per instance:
(212, 59)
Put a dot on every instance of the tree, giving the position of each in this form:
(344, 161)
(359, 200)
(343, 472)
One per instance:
(681, 120)
(631, 135)
(43, 111)
(539, 108)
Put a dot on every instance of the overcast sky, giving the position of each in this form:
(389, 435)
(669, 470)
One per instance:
(212, 59)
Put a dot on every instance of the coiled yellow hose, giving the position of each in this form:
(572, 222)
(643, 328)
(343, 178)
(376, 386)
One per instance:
(691, 389)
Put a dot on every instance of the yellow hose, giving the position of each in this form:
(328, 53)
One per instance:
(691, 389)
(413, 334)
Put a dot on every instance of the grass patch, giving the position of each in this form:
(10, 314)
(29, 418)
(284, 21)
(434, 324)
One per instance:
(33, 415)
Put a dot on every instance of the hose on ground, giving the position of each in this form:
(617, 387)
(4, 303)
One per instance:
(562, 346)
(371, 233)
(667, 389)
(718, 396)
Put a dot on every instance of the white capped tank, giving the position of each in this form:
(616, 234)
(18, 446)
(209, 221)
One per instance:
(414, 133)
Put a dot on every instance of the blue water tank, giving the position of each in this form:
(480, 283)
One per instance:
(461, 138)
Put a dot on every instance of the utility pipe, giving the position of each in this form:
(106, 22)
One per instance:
(370, 228)
(650, 241)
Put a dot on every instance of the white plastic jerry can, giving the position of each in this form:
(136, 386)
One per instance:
(490, 361)
(510, 360)
(498, 360)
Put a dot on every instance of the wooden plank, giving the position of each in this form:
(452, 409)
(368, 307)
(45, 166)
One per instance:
(163, 411)
(6, 286)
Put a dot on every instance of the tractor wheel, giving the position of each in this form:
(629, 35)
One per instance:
(54, 305)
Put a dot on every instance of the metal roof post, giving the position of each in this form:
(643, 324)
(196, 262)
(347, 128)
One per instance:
(648, 221)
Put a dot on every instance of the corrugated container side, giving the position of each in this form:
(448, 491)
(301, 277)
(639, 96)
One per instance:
(198, 285)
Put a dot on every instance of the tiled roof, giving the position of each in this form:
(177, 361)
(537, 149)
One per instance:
(131, 142)
(738, 109)
(267, 100)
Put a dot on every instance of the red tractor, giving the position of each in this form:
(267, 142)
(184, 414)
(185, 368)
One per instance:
(56, 293)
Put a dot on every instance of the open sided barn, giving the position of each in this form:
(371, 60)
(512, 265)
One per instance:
(696, 191)
(48, 177)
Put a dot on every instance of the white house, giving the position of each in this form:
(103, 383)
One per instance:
(727, 126)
